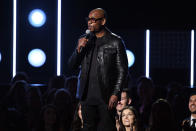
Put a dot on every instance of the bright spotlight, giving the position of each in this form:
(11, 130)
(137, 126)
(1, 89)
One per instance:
(37, 18)
(36, 57)
(131, 58)
(0, 56)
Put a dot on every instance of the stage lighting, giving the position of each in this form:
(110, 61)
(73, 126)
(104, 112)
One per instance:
(36, 57)
(192, 58)
(0, 56)
(37, 18)
(131, 58)
(148, 53)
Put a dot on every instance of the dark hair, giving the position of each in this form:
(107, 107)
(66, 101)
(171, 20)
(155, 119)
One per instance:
(57, 82)
(192, 94)
(162, 115)
(41, 123)
(148, 82)
(20, 76)
(122, 127)
(128, 92)
(17, 91)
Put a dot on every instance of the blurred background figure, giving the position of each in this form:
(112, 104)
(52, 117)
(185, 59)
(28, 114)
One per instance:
(63, 103)
(145, 91)
(15, 106)
(49, 120)
(71, 85)
(34, 105)
(20, 76)
(162, 117)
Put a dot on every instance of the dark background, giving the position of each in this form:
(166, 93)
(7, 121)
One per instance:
(170, 23)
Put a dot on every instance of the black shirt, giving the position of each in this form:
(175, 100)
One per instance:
(94, 91)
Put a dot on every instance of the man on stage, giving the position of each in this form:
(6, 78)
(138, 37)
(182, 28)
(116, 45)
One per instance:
(101, 56)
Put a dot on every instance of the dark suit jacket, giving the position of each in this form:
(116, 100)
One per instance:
(186, 125)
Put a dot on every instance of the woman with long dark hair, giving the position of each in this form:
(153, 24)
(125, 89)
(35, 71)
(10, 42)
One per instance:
(128, 119)
(162, 117)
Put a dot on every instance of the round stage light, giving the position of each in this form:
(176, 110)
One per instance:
(36, 57)
(131, 58)
(0, 57)
(37, 18)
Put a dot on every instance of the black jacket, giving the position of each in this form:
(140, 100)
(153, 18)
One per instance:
(112, 68)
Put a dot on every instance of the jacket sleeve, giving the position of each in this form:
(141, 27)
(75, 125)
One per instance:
(121, 67)
(75, 61)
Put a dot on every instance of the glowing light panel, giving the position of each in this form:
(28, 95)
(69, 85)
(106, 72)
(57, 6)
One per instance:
(0, 57)
(14, 38)
(37, 18)
(147, 53)
(36, 57)
(59, 39)
(131, 58)
(192, 59)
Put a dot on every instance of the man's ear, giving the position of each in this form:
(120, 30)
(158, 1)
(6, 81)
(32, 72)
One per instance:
(103, 21)
(129, 101)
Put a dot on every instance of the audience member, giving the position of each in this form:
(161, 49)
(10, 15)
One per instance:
(162, 117)
(125, 100)
(71, 85)
(16, 106)
(34, 103)
(20, 76)
(63, 103)
(189, 124)
(49, 120)
(145, 91)
(129, 119)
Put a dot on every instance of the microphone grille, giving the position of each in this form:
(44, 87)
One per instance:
(88, 31)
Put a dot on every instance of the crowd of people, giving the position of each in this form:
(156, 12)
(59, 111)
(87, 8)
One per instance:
(143, 107)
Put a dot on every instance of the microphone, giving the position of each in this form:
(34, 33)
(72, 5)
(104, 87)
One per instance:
(88, 36)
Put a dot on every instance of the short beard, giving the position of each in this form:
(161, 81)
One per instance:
(101, 28)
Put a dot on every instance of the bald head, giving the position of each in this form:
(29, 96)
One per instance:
(99, 12)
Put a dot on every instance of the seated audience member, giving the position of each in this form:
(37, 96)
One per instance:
(71, 85)
(63, 103)
(129, 119)
(16, 106)
(125, 100)
(189, 124)
(34, 103)
(55, 82)
(20, 76)
(49, 120)
(162, 117)
(145, 91)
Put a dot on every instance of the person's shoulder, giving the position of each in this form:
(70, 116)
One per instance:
(115, 36)
(116, 39)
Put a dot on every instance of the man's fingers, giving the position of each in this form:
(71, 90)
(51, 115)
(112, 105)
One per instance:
(111, 105)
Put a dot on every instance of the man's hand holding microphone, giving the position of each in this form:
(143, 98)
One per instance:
(82, 42)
